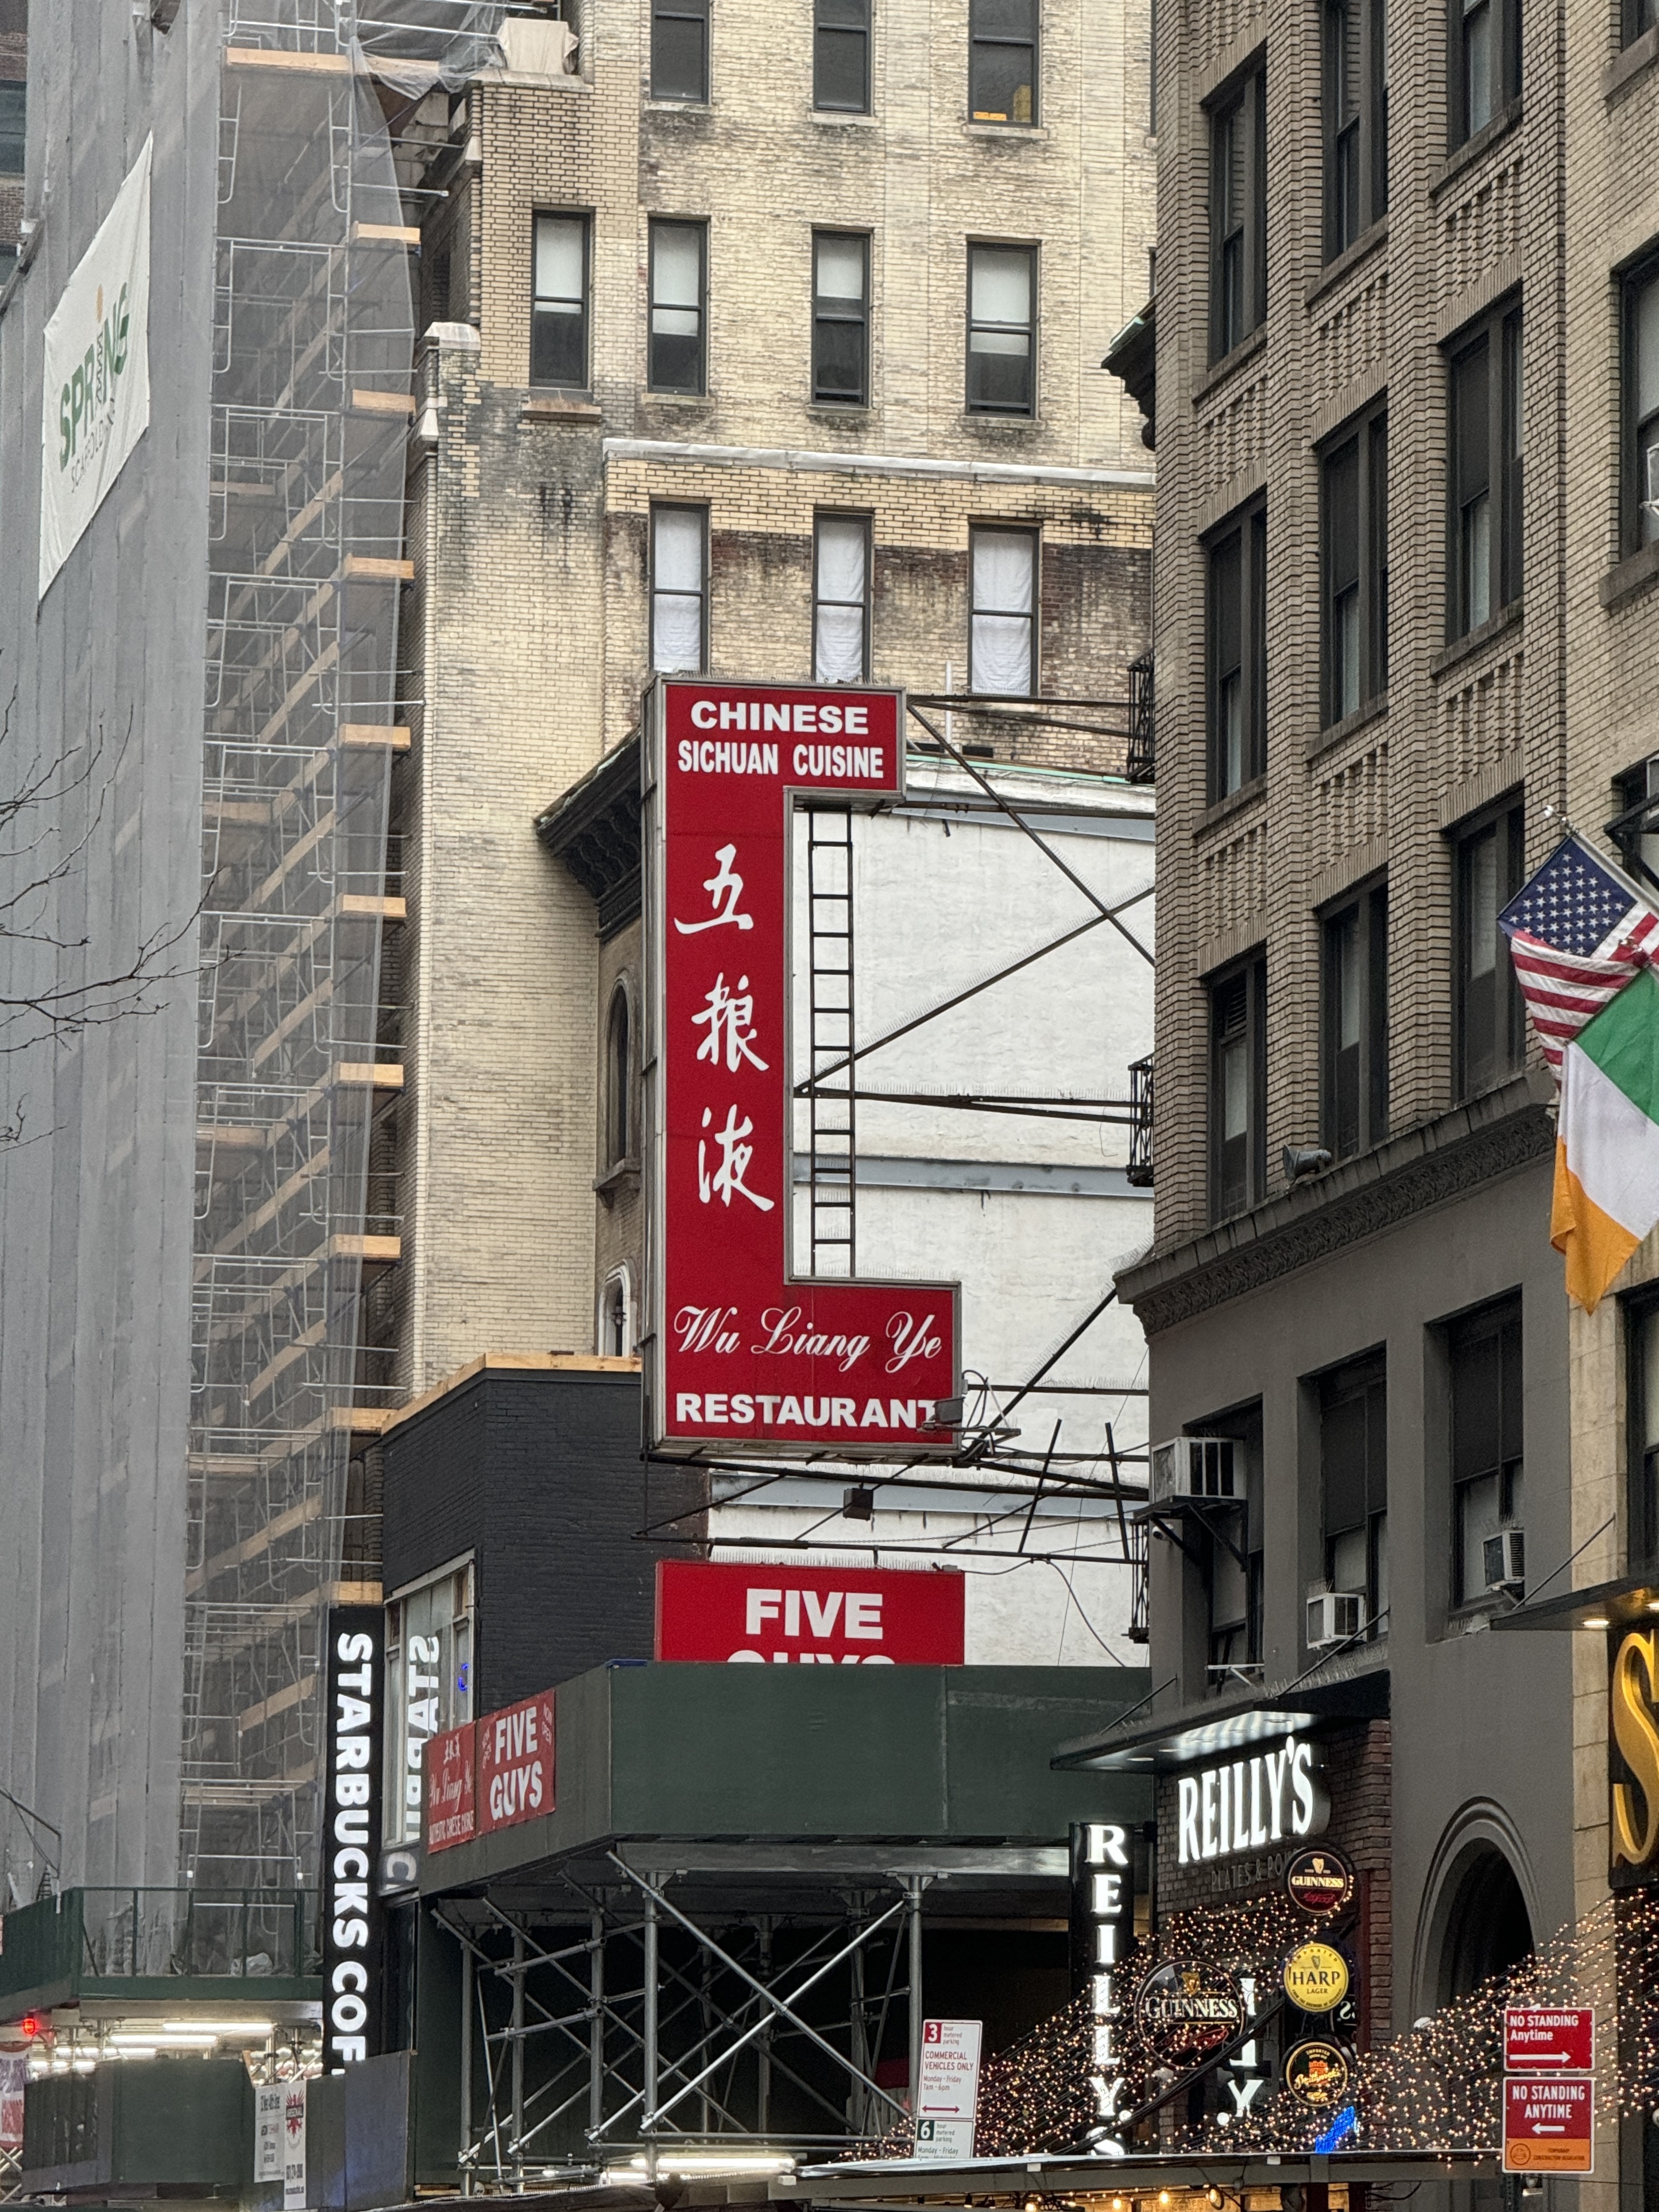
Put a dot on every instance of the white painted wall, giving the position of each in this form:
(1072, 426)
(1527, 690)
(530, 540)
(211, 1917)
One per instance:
(1031, 1216)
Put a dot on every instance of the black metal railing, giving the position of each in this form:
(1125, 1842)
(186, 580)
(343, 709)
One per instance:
(1142, 719)
(1140, 1122)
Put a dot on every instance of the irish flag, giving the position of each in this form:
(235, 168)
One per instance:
(1606, 1151)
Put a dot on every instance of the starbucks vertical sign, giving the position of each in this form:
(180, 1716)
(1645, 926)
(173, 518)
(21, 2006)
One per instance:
(95, 396)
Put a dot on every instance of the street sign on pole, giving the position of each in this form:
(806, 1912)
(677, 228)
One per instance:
(946, 2090)
(1549, 2039)
(1549, 2126)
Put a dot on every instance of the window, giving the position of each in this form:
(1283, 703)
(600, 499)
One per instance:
(1486, 63)
(1003, 60)
(680, 50)
(840, 316)
(679, 255)
(429, 1688)
(1640, 15)
(1231, 1540)
(1238, 216)
(840, 56)
(558, 321)
(1354, 526)
(840, 599)
(12, 93)
(1484, 1370)
(1355, 119)
(680, 602)
(1642, 1401)
(616, 1325)
(1002, 660)
(1486, 435)
(1238, 1089)
(1355, 1026)
(1353, 1450)
(1642, 407)
(619, 1143)
(1002, 298)
(1238, 654)
(1490, 862)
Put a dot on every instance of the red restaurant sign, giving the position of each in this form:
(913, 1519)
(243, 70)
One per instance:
(1548, 2040)
(741, 1352)
(1549, 2126)
(809, 1616)
(451, 1794)
(516, 1764)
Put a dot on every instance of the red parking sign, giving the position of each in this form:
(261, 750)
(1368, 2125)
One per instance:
(1549, 2039)
(1548, 2126)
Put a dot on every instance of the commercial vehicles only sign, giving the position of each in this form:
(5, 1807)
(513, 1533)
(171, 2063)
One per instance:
(95, 399)
(809, 1616)
(947, 2090)
(740, 1350)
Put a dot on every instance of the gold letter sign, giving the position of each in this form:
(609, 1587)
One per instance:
(1635, 1684)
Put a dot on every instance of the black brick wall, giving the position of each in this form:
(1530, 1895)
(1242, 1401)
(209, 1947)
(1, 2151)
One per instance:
(538, 1476)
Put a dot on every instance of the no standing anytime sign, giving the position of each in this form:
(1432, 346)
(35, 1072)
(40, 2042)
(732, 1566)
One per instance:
(742, 1351)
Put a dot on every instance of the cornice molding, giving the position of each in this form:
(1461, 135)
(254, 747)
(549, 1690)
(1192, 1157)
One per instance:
(1445, 1160)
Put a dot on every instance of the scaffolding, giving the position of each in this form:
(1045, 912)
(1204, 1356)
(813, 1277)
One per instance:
(312, 398)
(742, 1994)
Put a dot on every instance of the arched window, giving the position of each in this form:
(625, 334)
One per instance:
(619, 1082)
(616, 1318)
(1488, 1929)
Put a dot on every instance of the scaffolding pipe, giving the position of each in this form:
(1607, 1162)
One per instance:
(647, 2101)
(467, 1972)
(518, 2056)
(596, 2025)
(914, 1885)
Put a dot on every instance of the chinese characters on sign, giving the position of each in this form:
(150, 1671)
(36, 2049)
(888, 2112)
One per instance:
(740, 1350)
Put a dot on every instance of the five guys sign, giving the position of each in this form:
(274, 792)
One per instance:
(740, 1350)
(809, 1616)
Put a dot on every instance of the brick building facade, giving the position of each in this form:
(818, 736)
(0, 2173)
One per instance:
(1404, 630)
(535, 476)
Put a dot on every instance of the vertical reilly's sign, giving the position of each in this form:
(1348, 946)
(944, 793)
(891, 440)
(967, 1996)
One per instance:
(740, 1350)
(351, 1911)
(1102, 1947)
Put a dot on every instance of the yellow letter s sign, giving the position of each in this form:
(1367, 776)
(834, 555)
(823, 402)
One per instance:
(1635, 1685)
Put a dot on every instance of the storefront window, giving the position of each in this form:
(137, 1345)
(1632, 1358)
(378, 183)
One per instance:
(429, 1686)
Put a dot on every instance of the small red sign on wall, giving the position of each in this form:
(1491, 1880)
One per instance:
(451, 1796)
(516, 1764)
(809, 1616)
(1548, 2040)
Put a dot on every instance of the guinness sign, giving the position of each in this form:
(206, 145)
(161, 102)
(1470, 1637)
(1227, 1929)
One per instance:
(1321, 1881)
(1188, 2007)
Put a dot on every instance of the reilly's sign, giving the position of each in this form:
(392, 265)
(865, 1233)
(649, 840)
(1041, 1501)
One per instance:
(740, 1350)
(1247, 1804)
(96, 401)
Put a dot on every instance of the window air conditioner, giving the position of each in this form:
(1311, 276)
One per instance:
(1333, 1617)
(1504, 1559)
(1192, 1466)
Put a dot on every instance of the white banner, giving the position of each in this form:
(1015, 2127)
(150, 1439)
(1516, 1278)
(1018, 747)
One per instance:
(294, 2147)
(95, 400)
(269, 2099)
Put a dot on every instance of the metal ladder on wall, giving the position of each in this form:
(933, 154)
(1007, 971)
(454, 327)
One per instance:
(834, 1147)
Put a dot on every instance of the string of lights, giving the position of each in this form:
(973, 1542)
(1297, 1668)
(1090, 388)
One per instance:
(1435, 2087)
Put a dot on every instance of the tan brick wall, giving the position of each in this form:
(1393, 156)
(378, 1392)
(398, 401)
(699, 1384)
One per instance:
(1558, 703)
(1453, 736)
(525, 630)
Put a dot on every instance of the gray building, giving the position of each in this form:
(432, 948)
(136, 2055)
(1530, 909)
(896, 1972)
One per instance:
(200, 724)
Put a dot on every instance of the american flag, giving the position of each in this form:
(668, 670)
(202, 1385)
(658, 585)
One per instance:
(1578, 933)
